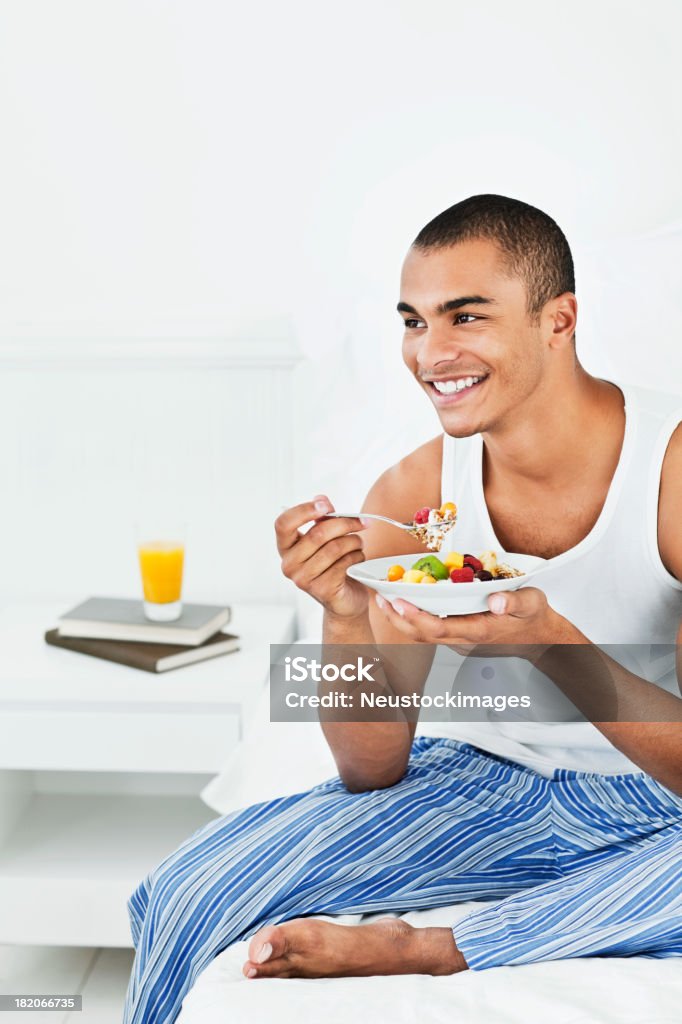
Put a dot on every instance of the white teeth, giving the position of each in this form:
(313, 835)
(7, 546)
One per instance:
(448, 387)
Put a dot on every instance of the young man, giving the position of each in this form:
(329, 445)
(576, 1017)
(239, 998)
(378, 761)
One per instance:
(574, 830)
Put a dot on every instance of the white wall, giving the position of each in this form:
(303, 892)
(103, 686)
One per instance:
(203, 169)
(97, 437)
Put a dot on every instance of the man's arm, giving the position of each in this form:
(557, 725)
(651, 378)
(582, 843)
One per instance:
(368, 755)
(649, 729)
(372, 755)
(657, 746)
(670, 520)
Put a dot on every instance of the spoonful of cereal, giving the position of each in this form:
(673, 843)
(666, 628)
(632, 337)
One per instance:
(429, 525)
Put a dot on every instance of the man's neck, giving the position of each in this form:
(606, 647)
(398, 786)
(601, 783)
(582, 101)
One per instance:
(559, 433)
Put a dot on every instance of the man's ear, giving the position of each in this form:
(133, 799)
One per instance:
(559, 319)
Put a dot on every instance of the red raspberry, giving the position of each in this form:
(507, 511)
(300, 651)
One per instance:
(465, 575)
(422, 516)
(475, 563)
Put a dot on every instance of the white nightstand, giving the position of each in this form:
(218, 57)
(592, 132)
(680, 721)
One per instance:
(101, 767)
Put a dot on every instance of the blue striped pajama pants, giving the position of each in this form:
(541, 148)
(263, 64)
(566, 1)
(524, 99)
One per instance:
(581, 864)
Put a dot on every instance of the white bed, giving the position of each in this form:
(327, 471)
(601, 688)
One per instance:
(633, 990)
(589, 991)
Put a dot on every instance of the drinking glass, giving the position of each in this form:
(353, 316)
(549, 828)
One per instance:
(161, 557)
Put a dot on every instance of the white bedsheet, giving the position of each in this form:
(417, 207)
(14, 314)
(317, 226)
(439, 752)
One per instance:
(588, 991)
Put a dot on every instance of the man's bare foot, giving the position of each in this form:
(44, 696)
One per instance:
(310, 948)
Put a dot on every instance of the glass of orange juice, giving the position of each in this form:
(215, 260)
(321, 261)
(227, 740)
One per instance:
(161, 556)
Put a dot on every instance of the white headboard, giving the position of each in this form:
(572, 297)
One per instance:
(94, 430)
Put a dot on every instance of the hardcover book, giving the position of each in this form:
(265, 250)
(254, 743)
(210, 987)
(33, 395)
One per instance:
(150, 657)
(115, 618)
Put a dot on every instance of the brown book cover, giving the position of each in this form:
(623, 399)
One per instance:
(146, 656)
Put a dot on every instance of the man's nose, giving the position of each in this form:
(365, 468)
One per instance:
(437, 345)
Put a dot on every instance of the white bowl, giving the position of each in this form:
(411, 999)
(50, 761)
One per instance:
(443, 597)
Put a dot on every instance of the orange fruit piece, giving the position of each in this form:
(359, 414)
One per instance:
(448, 506)
(395, 573)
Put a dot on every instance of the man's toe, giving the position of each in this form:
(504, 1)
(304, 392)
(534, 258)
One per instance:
(280, 968)
(268, 943)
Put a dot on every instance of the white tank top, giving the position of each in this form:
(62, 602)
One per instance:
(632, 600)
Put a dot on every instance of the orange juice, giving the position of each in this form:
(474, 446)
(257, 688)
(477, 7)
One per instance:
(161, 567)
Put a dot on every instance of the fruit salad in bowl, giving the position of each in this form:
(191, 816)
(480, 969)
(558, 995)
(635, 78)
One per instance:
(456, 567)
(427, 582)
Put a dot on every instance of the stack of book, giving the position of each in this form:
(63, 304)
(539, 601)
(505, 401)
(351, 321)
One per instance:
(116, 629)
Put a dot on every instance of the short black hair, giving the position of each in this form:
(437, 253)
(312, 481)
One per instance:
(533, 245)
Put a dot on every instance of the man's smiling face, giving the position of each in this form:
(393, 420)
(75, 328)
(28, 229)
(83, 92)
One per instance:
(469, 340)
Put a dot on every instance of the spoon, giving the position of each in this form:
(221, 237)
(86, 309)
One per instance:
(369, 515)
(429, 534)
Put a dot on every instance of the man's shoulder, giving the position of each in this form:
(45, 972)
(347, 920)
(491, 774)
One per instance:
(418, 473)
(427, 458)
(670, 505)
